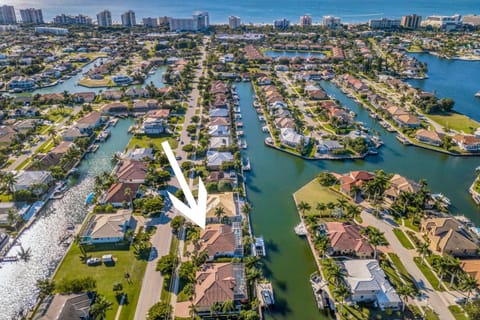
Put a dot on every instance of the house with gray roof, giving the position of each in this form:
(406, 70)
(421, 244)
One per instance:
(25, 179)
(107, 227)
(368, 283)
(216, 159)
(291, 138)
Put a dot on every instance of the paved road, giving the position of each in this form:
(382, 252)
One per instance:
(21, 158)
(435, 300)
(152, 280)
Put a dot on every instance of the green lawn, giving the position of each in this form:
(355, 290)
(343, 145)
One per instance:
(313, 193)
(106, 276)
(5, 197)
(455, 121)
(430, 314)
(141, 141)
(428, 273)
(409, 224)
(458, 312)
(403, 239)
(402, 270)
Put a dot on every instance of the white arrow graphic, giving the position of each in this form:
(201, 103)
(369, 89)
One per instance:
(196, 212)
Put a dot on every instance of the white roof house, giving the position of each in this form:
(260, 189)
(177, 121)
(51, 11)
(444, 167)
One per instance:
(368, 282)
(107, 227)
(219, 142)
(215, 159)
(290, 137)
(25, 179)
(140, 154)
(218, 130)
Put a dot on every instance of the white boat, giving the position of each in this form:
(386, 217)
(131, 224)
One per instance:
(300, 229)
(260, 246)
(477, 94)
(442, 198)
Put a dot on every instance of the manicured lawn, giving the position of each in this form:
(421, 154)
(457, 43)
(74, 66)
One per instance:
(46, 146)
(23, 164)
(409, 224)
(106, 276)
(362, 313)
(430, 314)
(87, 82)
(313, 193)
(428, 273)
(5, 197)
(140, 141)
(458, 312)
(456, 121)
(403, 239)
(402, 270)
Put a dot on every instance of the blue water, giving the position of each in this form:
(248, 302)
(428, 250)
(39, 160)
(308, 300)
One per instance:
(255, 11)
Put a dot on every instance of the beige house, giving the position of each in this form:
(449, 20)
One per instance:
(399, 184)
(448, 236)
(227, 202)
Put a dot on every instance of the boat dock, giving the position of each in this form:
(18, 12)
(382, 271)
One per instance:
(300, 229)
(103, 136)
(246, 165)
(265, 294)
(321, 296)
(260, 247)
(403, 140)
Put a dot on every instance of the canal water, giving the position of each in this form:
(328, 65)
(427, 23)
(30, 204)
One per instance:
(17, 280)
(275, 176)
(71, 85)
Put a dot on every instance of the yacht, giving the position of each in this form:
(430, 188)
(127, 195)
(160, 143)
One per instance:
(442, 198)
(300, 229)
(477, 94)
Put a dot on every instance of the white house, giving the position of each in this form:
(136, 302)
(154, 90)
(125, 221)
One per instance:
(368, 283)
(291, 138)
(107, 227)
(216, 159)
(26, 179)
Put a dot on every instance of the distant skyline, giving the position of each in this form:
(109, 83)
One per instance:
(251, 10)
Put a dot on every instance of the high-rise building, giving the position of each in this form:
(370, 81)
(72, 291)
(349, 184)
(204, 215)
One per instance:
(305, 20)
(68, 19)
(150, 22)
(234, 22)
(7, 15)
(443, 22)
(201, 19)
(163, 20)
(182, 24)
(32, 15)
(411, 21)
(331, 22)
(104, 19)
(128, 19)
(384, 23)
(281, 24)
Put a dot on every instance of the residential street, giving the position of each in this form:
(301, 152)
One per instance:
(152, 280)
(435, 300)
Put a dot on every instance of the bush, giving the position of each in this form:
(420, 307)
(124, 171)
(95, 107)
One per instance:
(77, 285)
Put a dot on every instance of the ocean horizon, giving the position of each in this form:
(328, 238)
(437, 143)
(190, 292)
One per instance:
(251, 11)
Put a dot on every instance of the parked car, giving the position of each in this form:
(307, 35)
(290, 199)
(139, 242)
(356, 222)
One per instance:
(93, 261)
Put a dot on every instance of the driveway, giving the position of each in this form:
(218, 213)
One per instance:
(437, 301)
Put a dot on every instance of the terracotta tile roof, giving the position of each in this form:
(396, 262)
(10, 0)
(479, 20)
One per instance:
(346, 237)
(132, 170)
(116, 193)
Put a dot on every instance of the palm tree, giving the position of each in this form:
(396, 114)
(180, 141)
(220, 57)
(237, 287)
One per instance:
(9, 181)
(453, 268)
(25, 255)
(303, 206)
(12, 218)
(423, 250)
(469, 284)
(100, 307)
(376, 238)
(246, 208)
(322, 244)
(405, 292)
(128, 194)
(321, 207)
(341, 292)
(45, 287)
(342, 203)
(193, 310)
(219, 212)
(228, 306)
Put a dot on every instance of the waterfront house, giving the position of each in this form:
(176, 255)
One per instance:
(216, 159)
(449, 236)
(219, 143)
(407, 121)
(26, 179)
(345, 239)
(220, 113)
(219, 130)
(117, 195)
(73, 133)
(429, 137)
(221, 240)
(467, 142)
(107, 227)
(226, 201)
(368, 283)
(91, 121)
(53, 157)
(114, 108)
(328, 146)
(83, 97)
(132, 171)
(5, 207)
(137, 93)
(22, 83)
(399, 184)
(291, 138)
(67, 307)
(353, 179)
(284, 122)
(216, 283)
(112, 95)
(154, 126)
